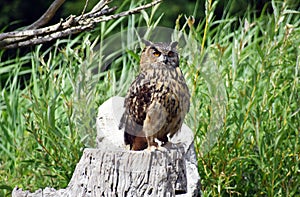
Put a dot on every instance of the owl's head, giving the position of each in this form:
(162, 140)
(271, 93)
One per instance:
(159, 54)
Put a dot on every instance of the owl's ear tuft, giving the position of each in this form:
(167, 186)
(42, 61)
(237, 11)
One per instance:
(146, 42)
(173, 44)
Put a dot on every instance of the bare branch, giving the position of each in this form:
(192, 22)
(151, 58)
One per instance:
(47, 16)
(99, 6)
(84, 9)
(129, 12)
(71, 25)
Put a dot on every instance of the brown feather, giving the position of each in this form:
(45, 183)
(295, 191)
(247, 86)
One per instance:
(157, 100)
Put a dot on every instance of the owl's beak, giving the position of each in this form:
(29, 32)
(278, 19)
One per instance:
(165, 60)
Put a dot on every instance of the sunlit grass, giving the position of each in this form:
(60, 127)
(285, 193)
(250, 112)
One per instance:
(253, 108)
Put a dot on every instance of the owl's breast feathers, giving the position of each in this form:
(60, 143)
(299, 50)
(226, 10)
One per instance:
(163, 90)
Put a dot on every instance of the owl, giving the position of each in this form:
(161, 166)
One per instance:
(157, 100)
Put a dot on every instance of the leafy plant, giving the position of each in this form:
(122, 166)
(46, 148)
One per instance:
(243, 74)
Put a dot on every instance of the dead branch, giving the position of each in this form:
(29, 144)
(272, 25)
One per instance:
(71, 25)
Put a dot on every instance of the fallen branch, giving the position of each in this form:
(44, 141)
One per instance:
(71, 25)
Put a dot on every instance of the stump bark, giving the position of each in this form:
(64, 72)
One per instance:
(112, 170)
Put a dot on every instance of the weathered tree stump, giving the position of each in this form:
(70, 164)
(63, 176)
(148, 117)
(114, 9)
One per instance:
(112, 170)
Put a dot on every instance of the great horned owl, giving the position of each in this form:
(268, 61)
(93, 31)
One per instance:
(157, 100)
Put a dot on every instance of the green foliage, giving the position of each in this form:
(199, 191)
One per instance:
(258, 149)
(245, 92)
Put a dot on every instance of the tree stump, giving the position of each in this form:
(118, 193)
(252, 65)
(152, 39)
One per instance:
(112, 170)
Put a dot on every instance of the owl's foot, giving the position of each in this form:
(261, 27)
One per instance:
(127, 147)
(161, 148)
(152, 148)
(151, 144)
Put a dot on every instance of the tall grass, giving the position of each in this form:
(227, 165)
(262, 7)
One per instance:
(251, 113)
(258, 150)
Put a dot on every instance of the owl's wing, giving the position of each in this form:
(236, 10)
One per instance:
(136, 102)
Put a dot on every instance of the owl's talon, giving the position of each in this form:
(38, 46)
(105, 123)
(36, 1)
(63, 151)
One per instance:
(127, 147)
(151, 148)
(161, 148)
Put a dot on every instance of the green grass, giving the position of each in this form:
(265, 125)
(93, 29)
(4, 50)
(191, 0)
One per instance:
(245, 102)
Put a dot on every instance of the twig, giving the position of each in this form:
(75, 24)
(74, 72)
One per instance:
(99, 6)
(84, 9)
(71, 25)
(129, 12)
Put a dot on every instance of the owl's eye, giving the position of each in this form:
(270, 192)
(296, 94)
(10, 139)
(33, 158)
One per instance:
(171, 54)
(156, 53)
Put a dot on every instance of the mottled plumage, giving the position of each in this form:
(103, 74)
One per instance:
(157, 100)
